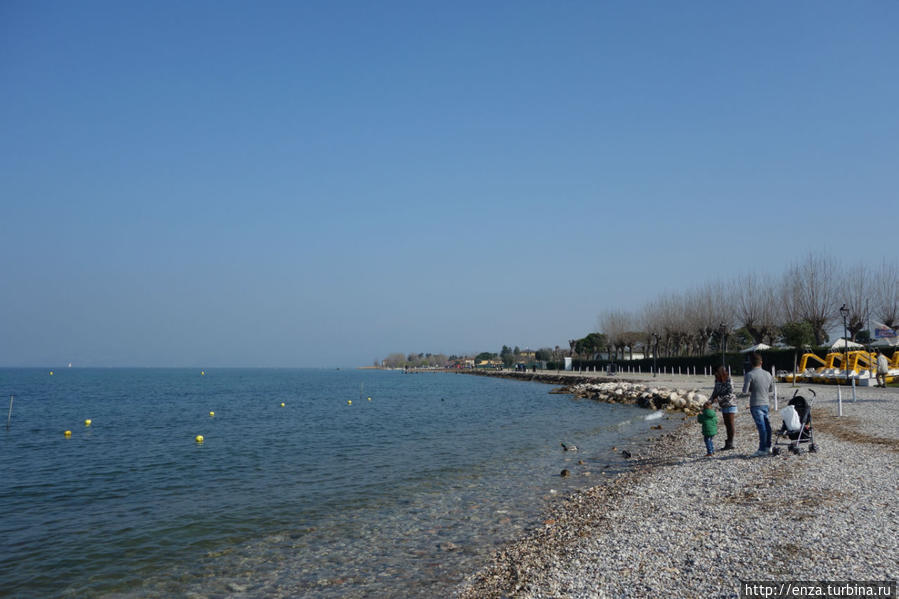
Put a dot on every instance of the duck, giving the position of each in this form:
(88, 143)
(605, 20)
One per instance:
(568, 447)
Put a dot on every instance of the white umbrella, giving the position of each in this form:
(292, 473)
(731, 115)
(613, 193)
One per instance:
(759, 347)
(844, 343)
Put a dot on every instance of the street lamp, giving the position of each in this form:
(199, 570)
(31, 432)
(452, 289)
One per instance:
(722, 339)
(844, 312)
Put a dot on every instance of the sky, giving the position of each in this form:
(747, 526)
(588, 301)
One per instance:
(319, 184)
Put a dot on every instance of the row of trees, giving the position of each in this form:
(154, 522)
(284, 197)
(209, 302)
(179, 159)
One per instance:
(799, 307)
(508, 355)
(398, 360)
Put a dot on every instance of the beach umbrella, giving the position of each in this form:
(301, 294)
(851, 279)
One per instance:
(844, 343)
(758, 347)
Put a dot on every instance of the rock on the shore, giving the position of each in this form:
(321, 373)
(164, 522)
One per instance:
(688, 401)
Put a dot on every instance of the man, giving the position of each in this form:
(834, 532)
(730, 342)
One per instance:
(760, 385)
(883, 367)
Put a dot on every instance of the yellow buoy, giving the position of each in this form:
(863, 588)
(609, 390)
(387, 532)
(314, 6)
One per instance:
(202, 373)
(199, 438)
(349, 402)
(212, 413)
(282, 404)
(369, 399)
(87, 422)
(68, 434)
(51, 373)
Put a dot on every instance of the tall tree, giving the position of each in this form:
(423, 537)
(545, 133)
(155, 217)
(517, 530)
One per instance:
(757, 307)
(813, 293)
(886, 294)
(507, 356)
(857, 289)
(615, 324)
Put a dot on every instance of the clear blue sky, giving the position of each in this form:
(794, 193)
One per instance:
(323, 183)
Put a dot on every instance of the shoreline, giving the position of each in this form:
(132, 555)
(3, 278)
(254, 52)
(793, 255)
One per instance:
(680, 524)
(673, 393)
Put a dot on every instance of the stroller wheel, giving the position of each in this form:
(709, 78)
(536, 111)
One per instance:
(813, 448)
(775, 451)
(794, 450)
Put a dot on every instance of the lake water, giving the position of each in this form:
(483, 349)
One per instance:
(402, 495)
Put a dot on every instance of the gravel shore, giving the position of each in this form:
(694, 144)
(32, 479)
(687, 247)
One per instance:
(684, 525)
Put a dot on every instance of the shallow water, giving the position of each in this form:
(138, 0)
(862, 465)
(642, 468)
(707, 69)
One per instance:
(402, 495)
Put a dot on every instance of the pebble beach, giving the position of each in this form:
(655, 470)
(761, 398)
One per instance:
(681, 524)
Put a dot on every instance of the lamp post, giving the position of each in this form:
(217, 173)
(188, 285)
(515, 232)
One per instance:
(655, 350)
(844, 312)
(722, 339)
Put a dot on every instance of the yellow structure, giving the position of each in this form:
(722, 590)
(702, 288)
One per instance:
(803, 364)
(860, 364)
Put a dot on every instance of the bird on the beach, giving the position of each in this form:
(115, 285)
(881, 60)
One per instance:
(625, 453)
(568, 447)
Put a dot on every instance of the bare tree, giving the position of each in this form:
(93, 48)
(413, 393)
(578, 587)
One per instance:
(674, 326)
(813, 293)
(788, 292)
(694, 311)
(775, 314)
(652, 326)
(707, 309)
(633, 339)
(886, 294)
(757, 305)
(659, 317)
(615, 324)
(857, 288)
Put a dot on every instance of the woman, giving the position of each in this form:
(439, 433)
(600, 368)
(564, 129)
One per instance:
(724, 393)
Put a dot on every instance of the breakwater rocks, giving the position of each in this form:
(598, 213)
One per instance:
(658, 398)
(654, 397)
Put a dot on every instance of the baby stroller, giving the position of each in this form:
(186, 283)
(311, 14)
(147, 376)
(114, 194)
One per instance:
(797, 425)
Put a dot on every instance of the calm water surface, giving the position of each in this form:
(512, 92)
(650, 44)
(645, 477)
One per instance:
(402, 495)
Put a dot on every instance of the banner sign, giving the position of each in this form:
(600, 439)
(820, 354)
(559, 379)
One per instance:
(882, 331)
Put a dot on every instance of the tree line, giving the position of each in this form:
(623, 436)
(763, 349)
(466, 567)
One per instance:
(507, 355)
(799, 307)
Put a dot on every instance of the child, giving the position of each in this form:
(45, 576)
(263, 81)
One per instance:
(709, 420)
